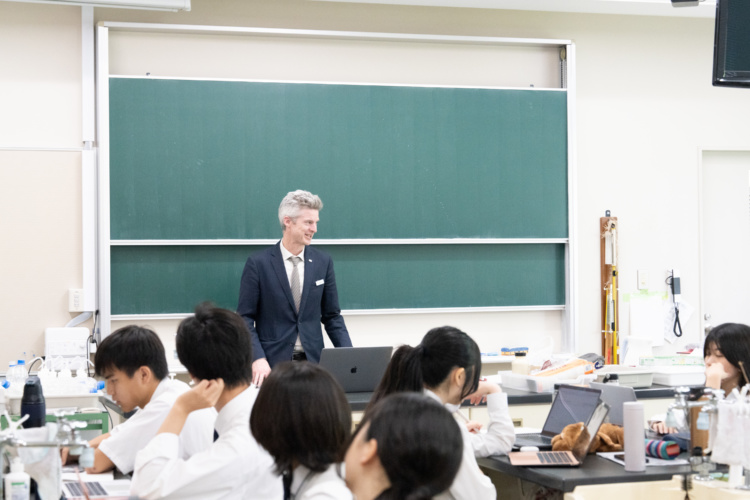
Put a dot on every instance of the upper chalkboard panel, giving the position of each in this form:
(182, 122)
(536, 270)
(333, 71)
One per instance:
(212, 159)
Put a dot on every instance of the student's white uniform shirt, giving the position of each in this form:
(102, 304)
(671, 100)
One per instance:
(500, 436)
(233, 467)
(470, 483)
(128, 438)
(326, 485)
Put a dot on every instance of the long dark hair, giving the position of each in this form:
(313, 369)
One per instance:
(301, 415)
(733, 340)
(428, 364)
(419, 445)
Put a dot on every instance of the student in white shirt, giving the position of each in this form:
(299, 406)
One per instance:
(446, 366)
(134, 366)
(214, 345)
(303, 419)
(407, 447)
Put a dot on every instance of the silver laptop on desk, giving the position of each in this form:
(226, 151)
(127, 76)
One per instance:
(357, 369)
(615, 395)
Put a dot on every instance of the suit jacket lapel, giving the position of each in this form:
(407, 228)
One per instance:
(277, 263)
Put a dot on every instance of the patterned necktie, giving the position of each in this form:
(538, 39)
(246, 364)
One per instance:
(296, 291)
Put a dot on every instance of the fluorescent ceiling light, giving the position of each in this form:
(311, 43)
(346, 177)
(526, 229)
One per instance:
(168, 5)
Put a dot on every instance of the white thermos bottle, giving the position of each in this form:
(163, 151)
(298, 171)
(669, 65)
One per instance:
(635, 437)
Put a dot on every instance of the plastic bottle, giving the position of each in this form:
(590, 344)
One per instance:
(17, 483)
(85, 384)
(3, 386)
(634, 437)
(33, 404)
(520, 365)
(14, 389)
(22, 373)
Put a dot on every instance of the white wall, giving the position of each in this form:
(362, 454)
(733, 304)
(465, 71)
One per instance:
(645, 107)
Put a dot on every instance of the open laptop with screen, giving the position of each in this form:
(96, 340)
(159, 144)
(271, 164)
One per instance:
(357, 369)
(571, 404)
(615, 395)
(564, 458)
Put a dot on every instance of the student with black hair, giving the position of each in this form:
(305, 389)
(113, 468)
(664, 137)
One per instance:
(408, 447)
(446, 366)
(134, 366)
(214, 345)
(725, 347)
(302, 418)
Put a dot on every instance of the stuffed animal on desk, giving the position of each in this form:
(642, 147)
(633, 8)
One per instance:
(574, 437)
(609, 438)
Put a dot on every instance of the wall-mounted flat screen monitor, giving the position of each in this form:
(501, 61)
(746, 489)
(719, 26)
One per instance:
(732, 44)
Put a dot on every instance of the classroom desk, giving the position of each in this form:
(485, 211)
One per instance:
(595, 470)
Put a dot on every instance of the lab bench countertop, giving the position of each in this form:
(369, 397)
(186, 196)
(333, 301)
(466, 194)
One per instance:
(358, 400)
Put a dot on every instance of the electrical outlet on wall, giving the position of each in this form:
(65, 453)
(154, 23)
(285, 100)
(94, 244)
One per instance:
(643, 282)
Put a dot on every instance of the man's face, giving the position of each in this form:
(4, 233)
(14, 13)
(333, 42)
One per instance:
(301, 230)
(124, 390)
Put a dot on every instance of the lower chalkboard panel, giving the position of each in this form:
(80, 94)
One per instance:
(173, 279)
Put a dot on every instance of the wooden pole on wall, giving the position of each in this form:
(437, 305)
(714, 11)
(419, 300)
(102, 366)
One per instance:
(610, 302)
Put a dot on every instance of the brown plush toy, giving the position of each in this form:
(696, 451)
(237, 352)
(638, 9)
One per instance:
(575, 436)
(609, 438)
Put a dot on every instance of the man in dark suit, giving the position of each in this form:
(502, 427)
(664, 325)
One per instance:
(288, 289)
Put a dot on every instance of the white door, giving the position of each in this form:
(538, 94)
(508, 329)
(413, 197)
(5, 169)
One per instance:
(725, 237)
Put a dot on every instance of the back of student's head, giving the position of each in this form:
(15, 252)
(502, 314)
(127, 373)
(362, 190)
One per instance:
(129, 348)
(301, 416)
(215, 343)
(733, 340)
(429, 363)
(419, 445)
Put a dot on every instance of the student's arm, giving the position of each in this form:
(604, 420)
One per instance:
(102, 463)
(499, 438)
(203, 395)
(67, 458)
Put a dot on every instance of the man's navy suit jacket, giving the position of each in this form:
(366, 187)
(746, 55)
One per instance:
(267, 306)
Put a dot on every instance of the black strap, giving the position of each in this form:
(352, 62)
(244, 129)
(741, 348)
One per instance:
(286, 479)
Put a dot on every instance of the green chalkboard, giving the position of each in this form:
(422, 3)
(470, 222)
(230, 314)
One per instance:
(173, 279)
(212, 159)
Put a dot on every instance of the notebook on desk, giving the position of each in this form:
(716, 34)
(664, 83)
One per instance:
(572, 404)
(564, 458)
(357, 369)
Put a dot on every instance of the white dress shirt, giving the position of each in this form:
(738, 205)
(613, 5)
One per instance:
(234, 467)
(500, 436)
(285, 254)
(129, 437)
(470, 482)
(326, 485)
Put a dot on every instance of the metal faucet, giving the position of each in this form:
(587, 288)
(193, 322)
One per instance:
(67, 435)
(687, 398)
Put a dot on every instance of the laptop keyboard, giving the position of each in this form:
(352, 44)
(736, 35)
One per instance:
(94, 489)
(555, 457)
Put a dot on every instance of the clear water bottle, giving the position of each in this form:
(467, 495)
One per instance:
(22, 373)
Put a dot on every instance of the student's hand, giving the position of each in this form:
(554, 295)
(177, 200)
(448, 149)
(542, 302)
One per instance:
(715, 374)
(474, 427)
(203, 395)
(66, 458)
(94, 443)
(661, 428)
(482, 391)
(261, 369)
